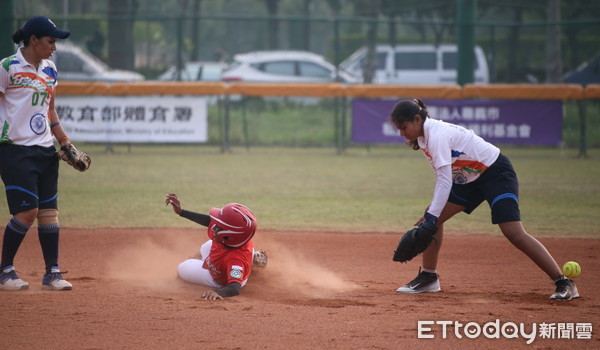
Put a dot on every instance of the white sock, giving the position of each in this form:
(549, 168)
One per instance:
(430, 271)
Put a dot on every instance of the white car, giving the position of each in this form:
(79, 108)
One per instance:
(417, 64)
(74, 63)
(284, 66)
(196, 71)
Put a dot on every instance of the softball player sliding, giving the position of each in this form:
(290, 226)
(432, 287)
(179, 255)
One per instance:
(469, 170)
(227, 257)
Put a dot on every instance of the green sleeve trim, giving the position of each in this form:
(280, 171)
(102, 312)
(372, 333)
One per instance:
(4, 137)
(8, 61)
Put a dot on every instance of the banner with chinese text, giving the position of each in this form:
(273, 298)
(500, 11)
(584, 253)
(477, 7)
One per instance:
(134, 119)
(535, 122)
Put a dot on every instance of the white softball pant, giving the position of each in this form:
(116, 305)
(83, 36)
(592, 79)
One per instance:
(192, 271)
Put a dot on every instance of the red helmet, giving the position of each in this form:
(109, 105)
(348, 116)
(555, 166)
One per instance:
(237, 224)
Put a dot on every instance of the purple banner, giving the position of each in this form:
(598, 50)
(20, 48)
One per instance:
(532, 122)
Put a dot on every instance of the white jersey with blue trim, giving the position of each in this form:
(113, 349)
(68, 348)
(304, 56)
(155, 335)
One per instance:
(27, 94)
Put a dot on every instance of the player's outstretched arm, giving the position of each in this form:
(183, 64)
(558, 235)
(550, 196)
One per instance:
(198, 218)
(172, 199)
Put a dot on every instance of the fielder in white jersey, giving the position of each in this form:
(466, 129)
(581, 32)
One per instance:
(28, 162)
(468, 170)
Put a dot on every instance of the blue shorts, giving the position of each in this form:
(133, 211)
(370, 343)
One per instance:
(30, 176)
(498, 185)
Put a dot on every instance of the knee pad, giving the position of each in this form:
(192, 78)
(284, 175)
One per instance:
(47, 217)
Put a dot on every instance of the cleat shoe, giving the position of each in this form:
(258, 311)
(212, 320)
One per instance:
(10, 281)
(425, 282)
(260, 258)
(565, 290)
(55, 281)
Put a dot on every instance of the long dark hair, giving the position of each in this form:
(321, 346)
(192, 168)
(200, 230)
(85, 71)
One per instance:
(405, 111)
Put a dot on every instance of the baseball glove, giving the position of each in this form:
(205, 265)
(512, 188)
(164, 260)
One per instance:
(74, 157)
(415, 241)
(260, 258)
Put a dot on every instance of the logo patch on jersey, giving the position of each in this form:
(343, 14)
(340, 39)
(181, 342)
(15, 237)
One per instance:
(38, 123)
(236, 271)
(460, 179)
(27, 80)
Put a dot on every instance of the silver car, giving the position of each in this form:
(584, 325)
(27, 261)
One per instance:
(74, 63)
(284, 66)
(416, 64)
(196, 71)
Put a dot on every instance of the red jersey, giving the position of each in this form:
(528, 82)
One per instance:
(227, 265)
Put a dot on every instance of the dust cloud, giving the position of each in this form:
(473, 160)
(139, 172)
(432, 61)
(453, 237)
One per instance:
(153, 264)
(150, 263)
(294, 271)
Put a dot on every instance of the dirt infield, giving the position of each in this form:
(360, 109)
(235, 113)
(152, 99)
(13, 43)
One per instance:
(321, 290)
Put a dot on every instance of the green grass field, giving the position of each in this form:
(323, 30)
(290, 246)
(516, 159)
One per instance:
(381, 189)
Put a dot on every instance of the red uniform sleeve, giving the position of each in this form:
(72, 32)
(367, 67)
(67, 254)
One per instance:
(237, 271)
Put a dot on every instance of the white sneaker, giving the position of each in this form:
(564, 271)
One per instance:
(10, 281)
(55, 281)
(565, 290)
(425, 282)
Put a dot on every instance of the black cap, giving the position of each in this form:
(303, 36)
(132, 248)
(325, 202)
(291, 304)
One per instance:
(42, 26)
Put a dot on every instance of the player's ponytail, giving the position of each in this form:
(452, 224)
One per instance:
(423, 112)
(18, 36)
(405, 111)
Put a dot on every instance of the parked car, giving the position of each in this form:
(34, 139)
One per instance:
(284, 66)
(417, 64)
(196, 71)
(74, 63)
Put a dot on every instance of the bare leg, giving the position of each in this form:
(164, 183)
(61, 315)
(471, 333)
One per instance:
(27, 217)
(430, 255)
(516, 234)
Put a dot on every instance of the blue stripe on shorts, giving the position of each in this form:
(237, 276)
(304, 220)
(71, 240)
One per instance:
(505, 195)
(18, 188)
(50, 199)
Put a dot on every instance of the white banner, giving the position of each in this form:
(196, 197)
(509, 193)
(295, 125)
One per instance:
(134, 119)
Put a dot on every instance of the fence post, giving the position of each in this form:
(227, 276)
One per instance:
(179, 64)
(465, 22)
(581, 104)
(6, 26)
(338, 134)
(344, 136)
(226, 119)
(336, 124)
(493, 71)
(245, 123)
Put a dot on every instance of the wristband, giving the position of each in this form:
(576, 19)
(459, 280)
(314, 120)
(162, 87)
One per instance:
(430, 218)
(53, 125)
(65, 138)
